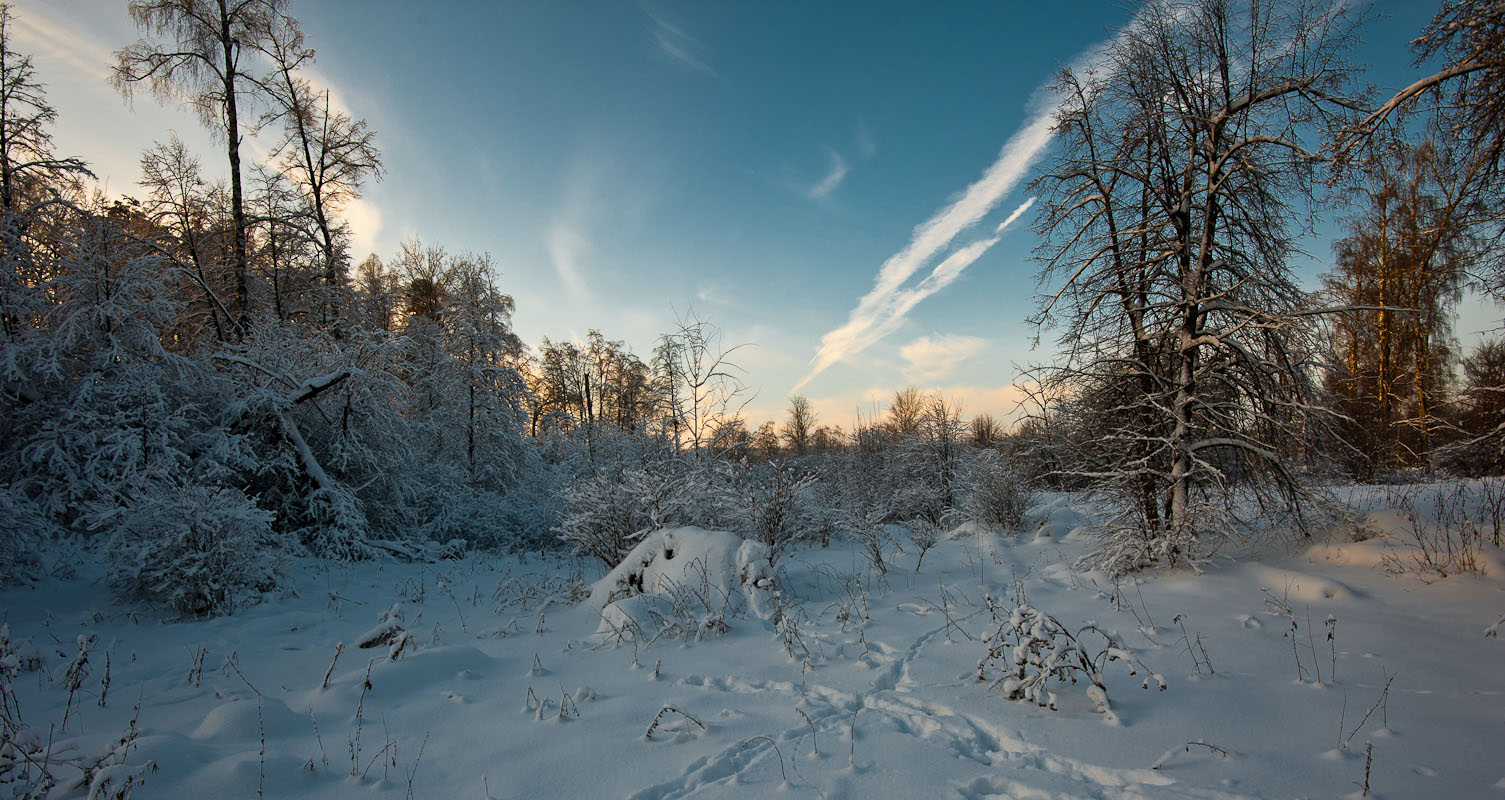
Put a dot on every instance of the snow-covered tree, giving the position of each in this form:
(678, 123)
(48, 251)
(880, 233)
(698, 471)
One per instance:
(1168, 237)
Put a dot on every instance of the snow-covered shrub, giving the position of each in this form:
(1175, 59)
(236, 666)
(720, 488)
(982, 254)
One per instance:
(866, 524)
(684, 582)
(602, 518)
(994, 493)
(924, 534)
(390, 631)
(195, 549)
(608, 511)
(1122, 544)
(27, 529)
(1030, 650)
(770, 504)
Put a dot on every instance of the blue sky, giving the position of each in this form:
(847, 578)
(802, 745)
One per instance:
(757, 162)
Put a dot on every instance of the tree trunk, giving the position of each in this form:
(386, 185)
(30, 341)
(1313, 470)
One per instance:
(232, 140)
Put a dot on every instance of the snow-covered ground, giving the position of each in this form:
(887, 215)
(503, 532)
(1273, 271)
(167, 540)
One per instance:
(856, 685)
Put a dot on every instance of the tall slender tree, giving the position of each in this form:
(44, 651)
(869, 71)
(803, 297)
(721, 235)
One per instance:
(26, 117)
(1401, 270)
(201, 55)
(326, 153)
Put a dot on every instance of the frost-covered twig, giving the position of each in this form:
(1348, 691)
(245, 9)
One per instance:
(814, 744)
(1384, 695)
(668, 710)
(1221, 753)
(338, 648)
(776, 752)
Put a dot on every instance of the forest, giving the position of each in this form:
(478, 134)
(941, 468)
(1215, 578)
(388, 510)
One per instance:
(207, 397)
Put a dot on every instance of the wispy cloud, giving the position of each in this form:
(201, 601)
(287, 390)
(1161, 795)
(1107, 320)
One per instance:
(712, 295)
(1018, 212)
(41, 35)
(832, 179)
(935, 358)
(867, 146)
(678, 44)
(567, 246)
(565, 239)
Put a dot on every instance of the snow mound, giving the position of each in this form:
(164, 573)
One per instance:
(1293, 585)
(1365, 553)
(1055, 520)
(241, 719)
(677, 573)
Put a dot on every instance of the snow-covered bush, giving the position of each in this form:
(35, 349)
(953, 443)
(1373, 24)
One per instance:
(683, 582)
(27, 529)
(1030, 650)
(608, 511)
(1123, 544)
(602, 517)
(770, 504)
(195, 549)
(994, 493)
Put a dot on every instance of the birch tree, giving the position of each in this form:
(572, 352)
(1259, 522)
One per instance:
(201, 56)
(1401, 268)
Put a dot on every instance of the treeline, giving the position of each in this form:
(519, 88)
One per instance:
(197, 382)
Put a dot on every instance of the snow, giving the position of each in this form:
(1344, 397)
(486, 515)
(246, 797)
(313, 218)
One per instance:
(684, 576)
(827, 679)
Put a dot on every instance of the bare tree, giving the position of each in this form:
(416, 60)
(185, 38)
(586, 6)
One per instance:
(1481, 450)
(1167, 229)
(986, 431)
(180, 201)
(906, 410)
(942, 431)
(765, 441)
(280, 246)
(26, 117)
(698, 384)
(326, 154)
(202, 60)
(1469, 88)
(1463, 103)
(29, 174)
(800, 428)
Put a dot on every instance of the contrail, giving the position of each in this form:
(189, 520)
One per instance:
(883, 309)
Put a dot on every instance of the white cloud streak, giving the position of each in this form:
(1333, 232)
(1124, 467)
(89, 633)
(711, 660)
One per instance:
(883, 308)
(833, 178)
(1018, 212)
(679, 45)
(44, 36)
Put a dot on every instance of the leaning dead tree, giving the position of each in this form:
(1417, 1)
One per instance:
(1169, 223)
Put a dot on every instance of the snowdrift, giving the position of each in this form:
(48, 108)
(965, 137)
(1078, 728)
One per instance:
(684, 581)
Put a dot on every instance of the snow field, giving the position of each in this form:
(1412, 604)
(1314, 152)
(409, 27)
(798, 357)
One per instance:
(863, 685)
